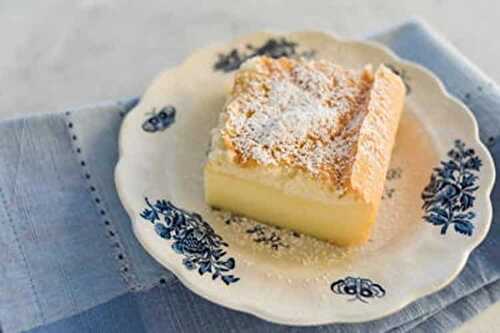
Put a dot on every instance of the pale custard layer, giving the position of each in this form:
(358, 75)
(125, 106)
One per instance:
(306, 145)
(342, 222)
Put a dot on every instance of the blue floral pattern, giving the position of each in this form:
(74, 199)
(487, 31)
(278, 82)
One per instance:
(274, 48)
(449, 196)
(266, 235)
(359, 288)
(159, 121)
(192, 238)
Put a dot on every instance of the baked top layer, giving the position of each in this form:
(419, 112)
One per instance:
(332, 124)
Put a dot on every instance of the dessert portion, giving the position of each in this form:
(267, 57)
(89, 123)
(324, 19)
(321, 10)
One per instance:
(306, 145)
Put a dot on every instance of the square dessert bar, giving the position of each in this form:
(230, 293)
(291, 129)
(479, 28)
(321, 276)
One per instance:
(306, 145)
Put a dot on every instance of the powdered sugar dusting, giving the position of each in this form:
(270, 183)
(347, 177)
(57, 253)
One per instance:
(304, 114)
(306, 260)
(277, 243)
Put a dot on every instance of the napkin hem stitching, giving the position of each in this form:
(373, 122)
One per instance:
(116, 243)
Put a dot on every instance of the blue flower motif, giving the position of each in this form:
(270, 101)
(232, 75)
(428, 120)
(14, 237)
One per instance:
(159, 121)
(162, 231)
(265, 235)
(150, 215)
(274, 48)
(192, 238)
(449, 196)
(190, 242)
(189, 264)
(448, 193)
(359, 288)
(474, 163)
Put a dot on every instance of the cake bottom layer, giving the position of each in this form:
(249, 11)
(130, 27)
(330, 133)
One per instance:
(343, 222)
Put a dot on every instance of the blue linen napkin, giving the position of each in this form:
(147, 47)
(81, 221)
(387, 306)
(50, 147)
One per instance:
(70, 263)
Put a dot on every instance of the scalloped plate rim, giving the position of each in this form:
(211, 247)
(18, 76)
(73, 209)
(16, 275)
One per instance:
(258, 311)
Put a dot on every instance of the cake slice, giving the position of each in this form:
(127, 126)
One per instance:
(306, 145)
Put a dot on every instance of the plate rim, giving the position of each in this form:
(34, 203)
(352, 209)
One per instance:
(259, 311)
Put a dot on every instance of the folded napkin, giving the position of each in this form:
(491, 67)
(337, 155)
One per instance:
(70, 263)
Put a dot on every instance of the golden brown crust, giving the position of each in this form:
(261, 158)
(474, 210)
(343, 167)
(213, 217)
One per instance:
(377, 135)
(316, 117)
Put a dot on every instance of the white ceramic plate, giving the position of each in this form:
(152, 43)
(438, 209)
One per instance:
(425, 230)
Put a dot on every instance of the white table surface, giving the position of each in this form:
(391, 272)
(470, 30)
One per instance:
(58, 53)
